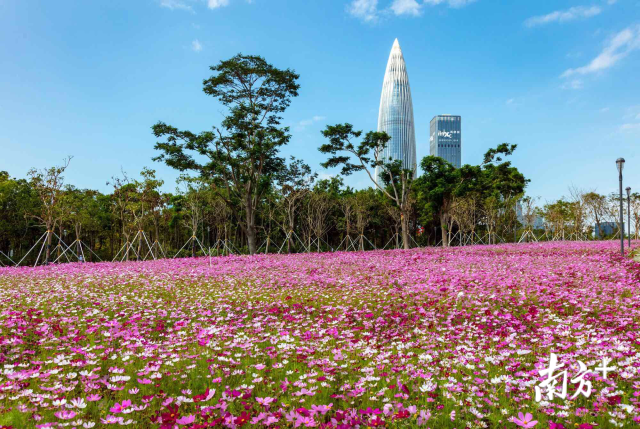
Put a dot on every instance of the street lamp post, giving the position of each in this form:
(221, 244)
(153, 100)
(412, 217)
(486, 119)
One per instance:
(629, 213)
(620, 165)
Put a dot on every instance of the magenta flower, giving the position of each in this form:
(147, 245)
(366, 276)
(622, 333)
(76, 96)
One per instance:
(65, 414)
(525, 420)
(186, 420)
(93, 397)
(265, 401)
(322, 409)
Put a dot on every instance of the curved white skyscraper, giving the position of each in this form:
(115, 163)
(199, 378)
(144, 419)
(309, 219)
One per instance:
(396, 112)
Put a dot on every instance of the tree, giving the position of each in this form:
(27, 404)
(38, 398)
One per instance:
(319, 205)
(495, 185)
(529, 214)
(48, 184)
(465, 212)
(146, 196)
(557, 215)
(435, 189)
(242, 154)
(82, 209)
(366, 156)
(635, 212)
(194, 197)
(363, 203)
(596, 206)
(578, 210)
(295, 181)
(18, 201)
(122, 197)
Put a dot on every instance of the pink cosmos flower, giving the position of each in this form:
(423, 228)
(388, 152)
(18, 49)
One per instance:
(65, 414)
(257, 419)
(270, 420)
(423, 417)
(322, 409)
(109, 419)
(525, 420)
(93, 397)
(265, 401)
(304, 391)
(186, 420)
(144, 381)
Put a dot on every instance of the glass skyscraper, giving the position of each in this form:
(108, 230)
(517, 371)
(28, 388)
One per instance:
(446, 138)
(396, 113)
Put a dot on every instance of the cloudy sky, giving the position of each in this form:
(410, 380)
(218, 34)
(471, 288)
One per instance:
(560, 79)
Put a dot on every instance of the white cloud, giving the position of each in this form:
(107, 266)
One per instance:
(196, 46)
(510, 101)
(618, 47)
(306, 122)
(367, 10)
(459, 3)
(186, 4)
(630, 127)
(574, 84)
(604, 109)
(564, 15)
(214, 4)
(451, 3)
(175, 4)
(323, 175)
(632, 112)
(406, 7)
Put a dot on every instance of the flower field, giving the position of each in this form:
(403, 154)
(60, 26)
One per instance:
(431, 337)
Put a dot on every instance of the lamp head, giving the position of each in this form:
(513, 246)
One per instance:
(620, 164)
(628, 189)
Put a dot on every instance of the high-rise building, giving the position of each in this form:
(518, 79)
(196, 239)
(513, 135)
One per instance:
(396, 113)
(446, 138)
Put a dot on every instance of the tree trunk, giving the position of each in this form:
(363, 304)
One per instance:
(443, 230)
(405, 231)
(48, 250)
(59, 246)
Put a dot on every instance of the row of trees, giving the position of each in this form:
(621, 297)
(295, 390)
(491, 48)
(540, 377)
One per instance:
(237, 193)
(297, 213)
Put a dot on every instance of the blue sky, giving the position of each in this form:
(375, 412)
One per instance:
(560, 79)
